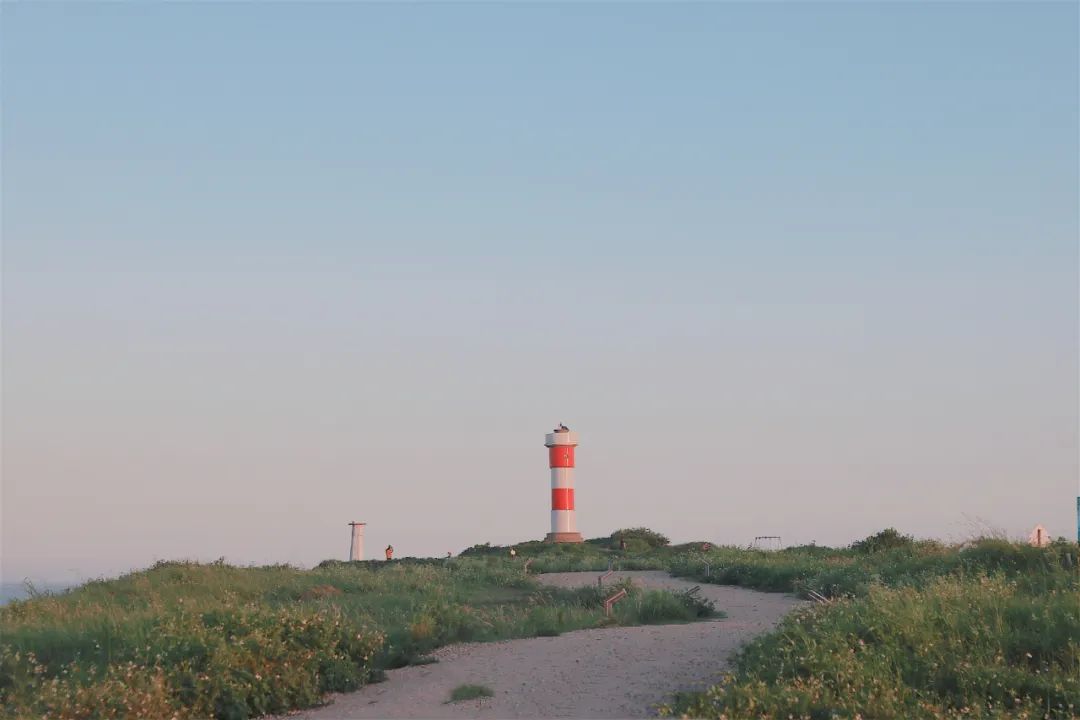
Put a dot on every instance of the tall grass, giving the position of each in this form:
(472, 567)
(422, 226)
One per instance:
(847, 572)
(197, 641)
(914, 629)
(643, 552)
(986, 629)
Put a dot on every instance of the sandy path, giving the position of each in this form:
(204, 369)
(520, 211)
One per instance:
(603, 673)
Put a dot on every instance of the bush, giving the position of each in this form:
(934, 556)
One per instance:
(986, 629)
(656, 606)
(887, 539)
(966, 647)
(700, 607)
(649, 538)
(233, 663)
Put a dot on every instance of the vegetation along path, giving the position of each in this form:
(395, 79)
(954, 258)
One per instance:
(617, 672)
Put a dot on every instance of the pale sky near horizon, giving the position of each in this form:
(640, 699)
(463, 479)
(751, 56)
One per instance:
(803, 270)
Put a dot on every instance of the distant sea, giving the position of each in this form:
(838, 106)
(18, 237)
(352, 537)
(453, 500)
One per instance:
(18, 591)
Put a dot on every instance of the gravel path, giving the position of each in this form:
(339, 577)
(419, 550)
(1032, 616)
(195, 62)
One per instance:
(619, 672)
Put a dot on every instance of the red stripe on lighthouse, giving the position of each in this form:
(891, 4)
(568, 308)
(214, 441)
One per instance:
(562, 498)
(560, 456)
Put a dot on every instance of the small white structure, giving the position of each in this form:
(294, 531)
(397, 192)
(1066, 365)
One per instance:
(766, 542)
(1039, 537)
(356, 548)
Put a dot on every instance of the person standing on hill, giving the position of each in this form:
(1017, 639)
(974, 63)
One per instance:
(513, 553)
(389, 552)
(622, 543)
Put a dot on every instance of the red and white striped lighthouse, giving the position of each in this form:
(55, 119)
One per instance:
(560, 445)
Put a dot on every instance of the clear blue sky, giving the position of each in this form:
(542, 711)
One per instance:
(803, 270)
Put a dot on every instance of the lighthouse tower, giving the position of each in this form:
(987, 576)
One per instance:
(560, 445)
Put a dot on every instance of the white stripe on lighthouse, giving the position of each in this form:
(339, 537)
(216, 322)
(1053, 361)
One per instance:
(563, 521)
(562, 478)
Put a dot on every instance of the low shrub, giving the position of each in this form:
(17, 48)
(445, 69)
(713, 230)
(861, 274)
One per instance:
(647, 538)
(237, 662)
(470, 692)
(841, 573)
(698, 606)
(887, 539)
(960, 647)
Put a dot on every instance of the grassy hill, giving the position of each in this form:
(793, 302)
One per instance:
(987, 629)
(902, 629)
(197, 640)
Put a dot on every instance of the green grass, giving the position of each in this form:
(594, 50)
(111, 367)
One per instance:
(913, 629)
(849, 573)
(918, 630)
(470, 692)
(643, 552)
(191, 640)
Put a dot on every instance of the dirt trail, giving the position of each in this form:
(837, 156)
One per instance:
(603, 673)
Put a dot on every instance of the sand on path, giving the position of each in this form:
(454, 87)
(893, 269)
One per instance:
(616, 672)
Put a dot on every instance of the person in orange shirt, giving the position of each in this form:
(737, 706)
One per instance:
(389, 552)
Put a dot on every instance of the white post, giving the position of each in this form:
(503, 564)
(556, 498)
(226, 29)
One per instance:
(356, 549)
